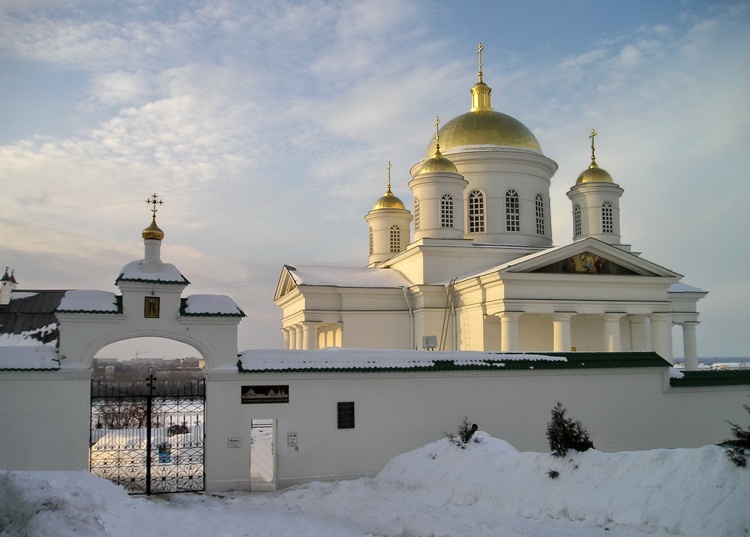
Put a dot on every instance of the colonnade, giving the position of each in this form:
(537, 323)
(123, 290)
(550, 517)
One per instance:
(660, 339)
(312, 335)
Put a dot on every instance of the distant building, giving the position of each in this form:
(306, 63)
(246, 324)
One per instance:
(481, 271)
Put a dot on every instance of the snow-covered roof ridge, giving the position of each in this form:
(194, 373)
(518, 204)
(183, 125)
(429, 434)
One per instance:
(337, 276)
(681, 287)
(34, 358)
(90, 301)
(168, 273)
(348, 359)
(211, 306)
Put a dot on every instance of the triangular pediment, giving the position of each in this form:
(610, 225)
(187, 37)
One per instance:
(286, 282)
(585, 257)
(586, 263)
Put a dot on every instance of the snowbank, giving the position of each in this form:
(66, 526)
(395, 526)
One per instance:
(487, 489)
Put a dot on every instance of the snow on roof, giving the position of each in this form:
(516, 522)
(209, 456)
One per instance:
(134, 272)
(337, 358)
(36, 357)
(89, 301)
(211, 305)
(347, 276)
(681, 287)
(19, 295)
(31, 338)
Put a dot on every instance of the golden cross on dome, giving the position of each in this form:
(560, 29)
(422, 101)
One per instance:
(592, 136)
(389, 176)
(480, 48)
(437, 133)
(154, 201)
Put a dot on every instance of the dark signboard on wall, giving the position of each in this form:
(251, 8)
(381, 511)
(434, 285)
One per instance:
(254, 395)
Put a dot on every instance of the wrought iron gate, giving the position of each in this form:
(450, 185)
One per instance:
(149, 437)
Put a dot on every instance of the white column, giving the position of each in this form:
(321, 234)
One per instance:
(285, 332)
(690, 344)
(661, 335)
(638, 333)
(293, 337)
(339, 339)
(309, 336)
(561, 331)
(509, 331)
(612, 341)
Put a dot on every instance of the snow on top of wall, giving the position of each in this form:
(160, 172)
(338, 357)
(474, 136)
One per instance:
(88, 301)
(347, 276)
(142, 271)
(337, 358)
(211, 305)
(28, 357)
(680, 287)
(18, 295)
(29, 338)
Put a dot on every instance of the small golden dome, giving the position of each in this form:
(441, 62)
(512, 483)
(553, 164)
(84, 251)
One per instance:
(153, 231)
(437, 163)
(594, 174)
(389, 201)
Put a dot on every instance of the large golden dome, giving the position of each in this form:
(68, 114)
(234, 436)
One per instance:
(483, 126)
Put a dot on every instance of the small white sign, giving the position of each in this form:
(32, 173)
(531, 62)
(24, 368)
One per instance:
(291, 439)
(234, 442)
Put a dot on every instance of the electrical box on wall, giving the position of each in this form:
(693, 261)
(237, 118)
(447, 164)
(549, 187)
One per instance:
(291, 439)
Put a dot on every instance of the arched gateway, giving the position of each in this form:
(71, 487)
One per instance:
(150, 304)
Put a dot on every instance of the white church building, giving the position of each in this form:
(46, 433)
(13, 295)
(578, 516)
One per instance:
(481, 271)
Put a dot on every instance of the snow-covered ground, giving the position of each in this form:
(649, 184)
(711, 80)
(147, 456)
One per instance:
(487, 489)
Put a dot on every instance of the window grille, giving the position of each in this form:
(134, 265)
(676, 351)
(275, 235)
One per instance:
(395, 239)
(416, 214)
(512, 211)
(607, 221)
(577, 221)
(539, 215)
(476, 212)
(446, 211)
(372, 245)
(346, 415)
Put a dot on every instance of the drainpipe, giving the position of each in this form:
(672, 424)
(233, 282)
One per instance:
(411, 318)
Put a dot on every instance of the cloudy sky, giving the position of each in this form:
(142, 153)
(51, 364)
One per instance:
(266, 127)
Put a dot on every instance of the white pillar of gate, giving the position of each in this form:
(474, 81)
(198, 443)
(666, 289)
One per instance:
(561, 330)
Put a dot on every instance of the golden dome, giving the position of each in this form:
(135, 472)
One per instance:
(594, 174)
(437, 163)
(153, 231)
(389, 201)
(483, 126)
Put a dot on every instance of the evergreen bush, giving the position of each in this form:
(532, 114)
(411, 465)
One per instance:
(564, 434)
(739, 448)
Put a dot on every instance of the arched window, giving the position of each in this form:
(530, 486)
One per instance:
(607, 222)
(476, 212)
(512, 211)
(539, 215)
(395, 239)
(576, 220)
(416, 214)
(446, 211)
(372, 246)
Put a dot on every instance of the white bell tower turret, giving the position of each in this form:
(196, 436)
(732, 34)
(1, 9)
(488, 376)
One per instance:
(596, 203)
(438, 191)
(389, 226)
(7, 286)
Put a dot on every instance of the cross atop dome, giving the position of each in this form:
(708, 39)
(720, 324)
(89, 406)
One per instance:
(480, 48)
(154, 201)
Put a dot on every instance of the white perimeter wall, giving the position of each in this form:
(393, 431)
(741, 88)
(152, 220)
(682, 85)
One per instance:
(45, 419)
(624, 409)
